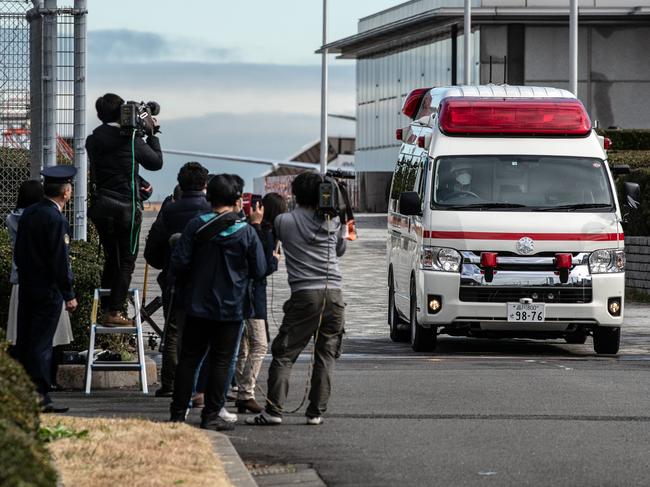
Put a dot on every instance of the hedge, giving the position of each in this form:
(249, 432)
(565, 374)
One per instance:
(628, 139)
(633, 158)
(24, 461)
(87, 262)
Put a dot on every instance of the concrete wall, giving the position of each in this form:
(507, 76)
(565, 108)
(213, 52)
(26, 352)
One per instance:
(637, 272)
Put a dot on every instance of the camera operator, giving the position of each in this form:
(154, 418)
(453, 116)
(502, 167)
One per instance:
(192, 180)
(116, 199)
(312, 245)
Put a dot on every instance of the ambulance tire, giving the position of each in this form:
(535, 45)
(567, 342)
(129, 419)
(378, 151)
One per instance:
(399, 331)
(606, 340)
(422, 339)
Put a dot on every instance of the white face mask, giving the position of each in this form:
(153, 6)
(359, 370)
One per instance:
(464, 178)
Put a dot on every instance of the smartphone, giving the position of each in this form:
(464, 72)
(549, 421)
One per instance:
(250, 202)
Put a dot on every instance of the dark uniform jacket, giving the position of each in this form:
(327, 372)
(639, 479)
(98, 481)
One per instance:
(255, 304)
(42, 250)
(172, 219)
(111, 161)
(217, 272)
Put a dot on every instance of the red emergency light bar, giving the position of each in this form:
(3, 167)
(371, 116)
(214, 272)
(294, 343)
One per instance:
(413, 101)
(515, 116)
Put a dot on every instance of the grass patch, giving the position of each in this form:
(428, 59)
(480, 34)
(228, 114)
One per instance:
(109, 452)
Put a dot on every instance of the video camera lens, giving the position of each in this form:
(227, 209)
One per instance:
(154, 107)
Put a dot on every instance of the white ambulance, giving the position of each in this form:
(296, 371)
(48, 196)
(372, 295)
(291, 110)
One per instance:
(503, 220)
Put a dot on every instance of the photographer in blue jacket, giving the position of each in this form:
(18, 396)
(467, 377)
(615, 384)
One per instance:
(216, 257)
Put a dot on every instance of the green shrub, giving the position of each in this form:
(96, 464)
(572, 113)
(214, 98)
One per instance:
(636, 159)
(628, 139)
(24, 462)
(637, 222)
(18, 401)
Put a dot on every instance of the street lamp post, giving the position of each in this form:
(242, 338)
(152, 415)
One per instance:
(573, 47)
(467, 38)
(324, 144)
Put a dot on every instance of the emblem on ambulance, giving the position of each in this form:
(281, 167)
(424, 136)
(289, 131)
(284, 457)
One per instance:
(525, 246)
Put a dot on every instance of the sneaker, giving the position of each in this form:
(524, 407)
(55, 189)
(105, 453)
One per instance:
(51, 407)
(116, 319)
(217, 424)
(227, 416)
(264, 419)
(315, 420)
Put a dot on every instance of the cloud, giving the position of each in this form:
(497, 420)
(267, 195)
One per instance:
(130, 46)
(197, 89)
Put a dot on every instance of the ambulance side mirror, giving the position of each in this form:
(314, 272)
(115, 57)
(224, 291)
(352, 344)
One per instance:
(632, 195)
(409, 203)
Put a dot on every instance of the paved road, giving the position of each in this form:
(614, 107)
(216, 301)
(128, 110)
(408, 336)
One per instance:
(478, 412)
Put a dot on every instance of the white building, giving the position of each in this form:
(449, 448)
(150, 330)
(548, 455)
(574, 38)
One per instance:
(420, 44)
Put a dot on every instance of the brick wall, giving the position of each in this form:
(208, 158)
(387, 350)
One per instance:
(637, 272)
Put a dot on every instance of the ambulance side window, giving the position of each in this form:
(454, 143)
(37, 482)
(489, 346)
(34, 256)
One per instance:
(398, 183)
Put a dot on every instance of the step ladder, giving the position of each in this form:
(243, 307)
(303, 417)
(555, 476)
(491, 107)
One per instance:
(97, 329)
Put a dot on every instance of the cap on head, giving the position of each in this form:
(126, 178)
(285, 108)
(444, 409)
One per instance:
(59, 174)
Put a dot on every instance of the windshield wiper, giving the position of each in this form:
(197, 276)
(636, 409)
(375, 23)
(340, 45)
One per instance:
(485, 206)
(578, 206)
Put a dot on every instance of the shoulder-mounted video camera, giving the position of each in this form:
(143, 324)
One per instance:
(138, 116)
(333, 198)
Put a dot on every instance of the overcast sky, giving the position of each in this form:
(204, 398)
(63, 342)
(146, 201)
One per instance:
(232, 77)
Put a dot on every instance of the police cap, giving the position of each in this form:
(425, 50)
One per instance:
(59, 174)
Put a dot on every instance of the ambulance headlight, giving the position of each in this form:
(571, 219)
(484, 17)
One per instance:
(607, 260)
(440, 259)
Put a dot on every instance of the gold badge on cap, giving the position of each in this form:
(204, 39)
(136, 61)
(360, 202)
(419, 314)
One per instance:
(66, 239)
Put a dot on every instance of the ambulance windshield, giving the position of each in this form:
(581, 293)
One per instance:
(522, 183)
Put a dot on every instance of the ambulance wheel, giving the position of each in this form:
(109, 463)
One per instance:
(607, 340)
(578, 337)
(422, 339)
(398, 331)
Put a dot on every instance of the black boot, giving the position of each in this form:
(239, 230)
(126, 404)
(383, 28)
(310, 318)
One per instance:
(178, 416)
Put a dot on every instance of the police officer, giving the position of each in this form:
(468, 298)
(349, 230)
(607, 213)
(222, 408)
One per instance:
(45, 278)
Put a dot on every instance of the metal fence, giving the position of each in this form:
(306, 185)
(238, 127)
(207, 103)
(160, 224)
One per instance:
(15, 97)
(14, 100)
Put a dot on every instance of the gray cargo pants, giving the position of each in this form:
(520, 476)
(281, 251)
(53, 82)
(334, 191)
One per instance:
(301, 318)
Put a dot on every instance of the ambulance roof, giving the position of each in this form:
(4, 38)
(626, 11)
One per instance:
(497, 91)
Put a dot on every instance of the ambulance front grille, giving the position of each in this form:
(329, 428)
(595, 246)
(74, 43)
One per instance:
(506, 294)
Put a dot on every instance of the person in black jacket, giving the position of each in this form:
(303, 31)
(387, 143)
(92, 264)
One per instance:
(254, 343)
(192, 179)
(217, 255)
(115, 204)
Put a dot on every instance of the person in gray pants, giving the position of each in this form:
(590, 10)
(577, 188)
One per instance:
(312, 245)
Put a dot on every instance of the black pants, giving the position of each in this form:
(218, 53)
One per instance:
(38, 315)
(222, 339)
(114, 229)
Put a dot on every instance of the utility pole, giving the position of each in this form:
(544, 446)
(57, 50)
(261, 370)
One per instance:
(324, 143)
(79, 132)
(36, 88)
(49, 83)
(467, 38)
(573, 47)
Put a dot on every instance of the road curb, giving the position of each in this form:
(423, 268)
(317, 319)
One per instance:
(235, 469)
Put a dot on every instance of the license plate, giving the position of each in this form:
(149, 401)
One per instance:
(526, 313)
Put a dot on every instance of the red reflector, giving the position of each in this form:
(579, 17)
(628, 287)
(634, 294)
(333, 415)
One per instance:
(412, 103)
(489, 259)
(517, 116)
(421, 141)
(607, 143)
(399, 133)
(563, 261)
